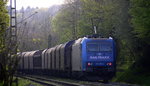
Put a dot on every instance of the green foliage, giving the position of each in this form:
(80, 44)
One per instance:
(140, 10)
(64, 24)
(140, 13)
(24, 82)
(3, 23)
(131, 76)
(61, 28)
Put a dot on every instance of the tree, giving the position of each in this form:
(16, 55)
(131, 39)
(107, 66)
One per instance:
(140, 10)
(65, 23)
(4, 21)
(34, 31)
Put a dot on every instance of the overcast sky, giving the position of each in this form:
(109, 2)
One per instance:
(37, 3)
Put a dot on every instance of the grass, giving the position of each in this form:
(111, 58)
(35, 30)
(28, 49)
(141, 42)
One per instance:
(132, 76)
(25, 82)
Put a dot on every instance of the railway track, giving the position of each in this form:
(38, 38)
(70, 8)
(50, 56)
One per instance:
(48, 82)
(55, 82)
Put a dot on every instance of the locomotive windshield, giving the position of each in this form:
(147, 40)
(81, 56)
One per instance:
(95, 47)
(92, 47)
(105, 47)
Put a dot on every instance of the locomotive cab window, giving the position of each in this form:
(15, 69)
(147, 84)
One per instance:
(105, 47)
(92, 47)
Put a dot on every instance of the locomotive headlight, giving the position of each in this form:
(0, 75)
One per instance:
(89, 64)
(109, 64)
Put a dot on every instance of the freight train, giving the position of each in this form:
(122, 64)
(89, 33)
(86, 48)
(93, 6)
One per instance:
(84, 57)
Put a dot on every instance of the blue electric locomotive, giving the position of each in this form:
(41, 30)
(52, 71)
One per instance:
(98, 57)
